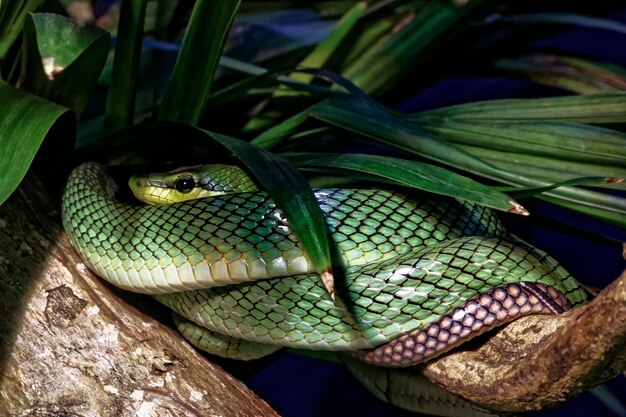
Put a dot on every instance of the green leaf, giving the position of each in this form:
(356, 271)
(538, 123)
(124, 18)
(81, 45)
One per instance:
(559, 140)
(191, 81)
(574, 74)
(412, 174)
(12, 15)
(323, 50)
(25, 120)
(393, 129)
(428, 31)
(593, 108)
(546, 168)
(73, 57)
(292, 193)
(361, 117)
(524, 192)
(277, 133)
(120, 105)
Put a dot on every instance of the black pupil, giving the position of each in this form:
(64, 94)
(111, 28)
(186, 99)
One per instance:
(185, 184)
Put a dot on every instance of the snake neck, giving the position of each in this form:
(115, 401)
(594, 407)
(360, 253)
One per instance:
(92, 180)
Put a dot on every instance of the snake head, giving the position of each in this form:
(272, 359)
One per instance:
(189, 183)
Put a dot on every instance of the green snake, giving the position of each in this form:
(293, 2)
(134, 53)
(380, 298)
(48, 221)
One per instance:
(415, 274)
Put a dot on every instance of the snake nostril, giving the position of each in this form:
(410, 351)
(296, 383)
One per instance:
(140, 183)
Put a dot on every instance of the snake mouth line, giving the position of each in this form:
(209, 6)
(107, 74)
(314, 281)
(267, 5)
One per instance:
(478, 315)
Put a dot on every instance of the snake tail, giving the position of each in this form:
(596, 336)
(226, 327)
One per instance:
(221, 345)
(409, 389)
(491, 309)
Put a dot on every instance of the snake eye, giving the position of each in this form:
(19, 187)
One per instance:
(185, 184)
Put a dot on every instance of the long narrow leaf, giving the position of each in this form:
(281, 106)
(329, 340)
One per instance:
(595, 108)
(390, 129)
(191, 81)
(573, 74)
(567, 141)
(277, 133)
(12, 15)
(292, 193)
(120, 105)
(547, 169)
(323, 50)
(358, 116)
(412, 174)
(411, 45)
(524, 192)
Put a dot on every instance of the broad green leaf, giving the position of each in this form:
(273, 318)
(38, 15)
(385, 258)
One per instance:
(61, 60)
(25, 121)
(292, 193)
(12, 15)
(412, 174)
(592, 108)
(120, 105)
(574, 74)
(190, 85)
(559, 140)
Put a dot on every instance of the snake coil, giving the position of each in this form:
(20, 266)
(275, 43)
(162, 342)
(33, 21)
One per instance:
(417, 275)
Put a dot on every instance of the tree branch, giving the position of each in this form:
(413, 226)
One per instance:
(540, 361)
(69, 346)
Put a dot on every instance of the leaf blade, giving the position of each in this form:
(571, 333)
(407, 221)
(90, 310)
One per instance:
(293, 195)
(192, 78)
(413, 174)
(120, 105)
(25, 121)
(74, 56)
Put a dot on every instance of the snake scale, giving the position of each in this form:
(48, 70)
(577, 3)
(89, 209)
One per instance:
(415, 275)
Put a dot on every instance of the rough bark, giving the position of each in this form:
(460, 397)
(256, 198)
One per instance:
(540, 361)
(69, 346)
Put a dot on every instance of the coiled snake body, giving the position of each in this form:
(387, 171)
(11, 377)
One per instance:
(416, 276)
